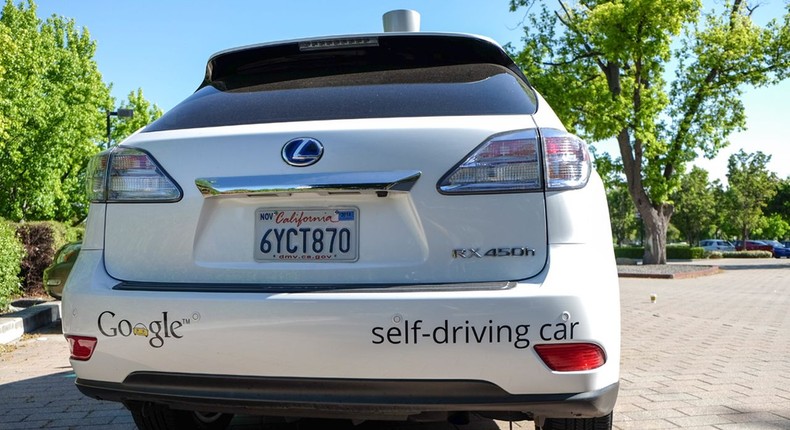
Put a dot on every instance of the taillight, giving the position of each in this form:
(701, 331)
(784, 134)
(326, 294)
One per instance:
(571, 357)
(504, 163)
(567, 160)
(129, 175)
(511, 162)
(81, 347)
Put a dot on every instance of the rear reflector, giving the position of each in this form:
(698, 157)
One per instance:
(571, 357)
(81, 347)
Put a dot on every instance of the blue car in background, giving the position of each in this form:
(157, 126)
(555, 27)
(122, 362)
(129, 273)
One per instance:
(780, 250)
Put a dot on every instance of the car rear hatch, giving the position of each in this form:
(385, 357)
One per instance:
(377, 160)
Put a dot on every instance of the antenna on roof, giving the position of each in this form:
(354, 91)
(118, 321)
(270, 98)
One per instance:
(401, 20)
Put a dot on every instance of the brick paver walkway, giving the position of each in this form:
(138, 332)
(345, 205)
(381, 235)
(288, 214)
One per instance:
(712, 353)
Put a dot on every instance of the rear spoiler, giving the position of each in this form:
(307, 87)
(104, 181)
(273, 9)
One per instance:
(305, 58)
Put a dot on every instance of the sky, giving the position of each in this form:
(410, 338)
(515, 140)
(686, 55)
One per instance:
(162, 47)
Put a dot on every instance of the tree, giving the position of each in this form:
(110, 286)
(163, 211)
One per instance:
(751, 187)
(720, 222)
(622, 214)
(51, 100)
(695, 205)
(144, 114)
(601, 65)
(774, 227)
(780, 204)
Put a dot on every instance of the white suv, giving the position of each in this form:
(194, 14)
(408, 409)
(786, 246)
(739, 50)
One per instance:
(389, 226)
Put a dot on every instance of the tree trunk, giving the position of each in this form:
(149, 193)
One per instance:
(656, 223)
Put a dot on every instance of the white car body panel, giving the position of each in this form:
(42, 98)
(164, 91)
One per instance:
(330, 334)
(211, 240)
(172, 290)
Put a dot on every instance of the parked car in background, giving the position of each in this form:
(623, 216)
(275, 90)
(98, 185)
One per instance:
(56, 274)
(716, 245)
(779, 250)
(753, 245)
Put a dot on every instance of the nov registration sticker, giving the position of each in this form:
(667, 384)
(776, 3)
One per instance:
(307, 235)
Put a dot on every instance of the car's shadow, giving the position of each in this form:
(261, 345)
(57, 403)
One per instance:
(249, 423)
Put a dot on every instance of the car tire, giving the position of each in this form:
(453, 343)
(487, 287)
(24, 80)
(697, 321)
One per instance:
(599, 423)
(154, 416)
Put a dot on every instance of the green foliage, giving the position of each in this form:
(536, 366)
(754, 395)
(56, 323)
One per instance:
(673, 252)
(634, 252)
(751, 187)
(51, 95)
(144, 114)
(685, 253)
(773, 227)
(601, 65)
(622, 213)
(695, 205)
(11, 253)
(780, 204)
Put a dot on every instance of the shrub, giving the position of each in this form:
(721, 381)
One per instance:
(684, 253)
(714, 255)
(747, 254)
(41, 239)
(676, 252)
(11, 253)
(636, 252)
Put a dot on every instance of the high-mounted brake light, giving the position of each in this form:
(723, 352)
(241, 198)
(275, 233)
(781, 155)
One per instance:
(81, 347)
(129, 175)
(334, 43)
(504, 163)
(571, 357)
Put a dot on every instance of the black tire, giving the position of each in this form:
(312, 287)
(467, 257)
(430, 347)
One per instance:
(600, 423)
(153, 416)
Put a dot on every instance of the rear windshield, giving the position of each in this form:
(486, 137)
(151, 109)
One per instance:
(469, 89)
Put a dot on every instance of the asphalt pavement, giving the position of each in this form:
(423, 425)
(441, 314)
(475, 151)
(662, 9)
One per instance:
(710, 352)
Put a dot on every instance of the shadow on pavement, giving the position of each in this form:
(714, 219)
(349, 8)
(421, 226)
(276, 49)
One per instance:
(250, 423)
(52, 329)
(770, 266)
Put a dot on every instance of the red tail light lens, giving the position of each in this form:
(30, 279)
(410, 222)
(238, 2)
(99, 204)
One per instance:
(571, 357)
(81, 347)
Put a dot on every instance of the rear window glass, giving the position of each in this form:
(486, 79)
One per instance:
(465, 89)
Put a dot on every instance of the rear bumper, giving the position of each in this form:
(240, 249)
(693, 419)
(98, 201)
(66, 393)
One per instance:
(396, 353)
(345, 398)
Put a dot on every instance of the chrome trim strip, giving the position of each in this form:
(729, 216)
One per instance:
(323, 183)
(317, 288)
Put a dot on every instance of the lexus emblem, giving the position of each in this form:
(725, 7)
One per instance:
(302, 151)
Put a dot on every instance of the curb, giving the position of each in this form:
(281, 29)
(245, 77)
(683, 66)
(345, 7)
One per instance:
(15, 324)
(677, 275)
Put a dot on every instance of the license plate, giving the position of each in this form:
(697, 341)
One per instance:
(307, 235)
